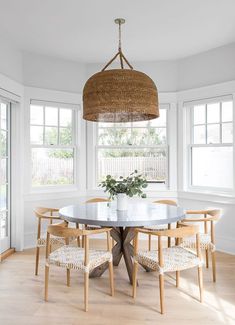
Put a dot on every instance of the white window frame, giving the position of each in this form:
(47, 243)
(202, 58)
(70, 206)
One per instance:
(190, 143)
(73, 145)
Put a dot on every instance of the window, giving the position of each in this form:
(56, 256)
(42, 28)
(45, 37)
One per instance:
(52, 144)
(211, 147)
(4, 175)
(125, 147)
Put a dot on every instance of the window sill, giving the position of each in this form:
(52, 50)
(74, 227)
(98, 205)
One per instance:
(161, 192)
(51, 193)
(216, 197)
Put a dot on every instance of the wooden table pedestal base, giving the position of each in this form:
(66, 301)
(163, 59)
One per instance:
(123, 247)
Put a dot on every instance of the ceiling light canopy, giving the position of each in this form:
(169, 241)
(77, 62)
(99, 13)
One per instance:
(120, 95)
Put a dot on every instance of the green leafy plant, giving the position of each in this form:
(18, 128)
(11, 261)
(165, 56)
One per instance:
(131, 185)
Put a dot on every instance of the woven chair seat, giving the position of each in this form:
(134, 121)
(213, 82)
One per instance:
(72, 257)
(53, 241)
(205, 243)
(157, 228)
(175, 258)
(91, 227)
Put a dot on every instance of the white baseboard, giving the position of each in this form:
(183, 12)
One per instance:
(225, 244)
(30, 240)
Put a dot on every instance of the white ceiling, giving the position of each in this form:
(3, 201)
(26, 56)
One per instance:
(83, 30)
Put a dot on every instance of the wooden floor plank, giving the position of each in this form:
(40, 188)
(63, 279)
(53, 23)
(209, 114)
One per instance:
(21, 296)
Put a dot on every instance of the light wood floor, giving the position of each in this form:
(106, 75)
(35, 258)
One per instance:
(21, 296)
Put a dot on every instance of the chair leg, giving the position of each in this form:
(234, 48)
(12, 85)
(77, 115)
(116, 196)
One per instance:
(83, 241)
(86, 286)
(177, 278)
(113, 242)
(207, 258)
(213, 266)
(78, 238)
(169, 242)
(169, 238)
(200, 282)
(134, 285)
(78, 241)
(161, 286)
(149, 242)
(37, 260)
(111, 278)
(68, 277)
(46, 282)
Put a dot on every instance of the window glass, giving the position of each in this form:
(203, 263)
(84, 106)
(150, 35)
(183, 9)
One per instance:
(212, 167)
(36, 115)
(52, 166)
(51, 115)
(52, 126)
(65, 117)
(227, 132)
(227, 111)
(213, 133)
(199, 114)
(125, 147)
(213, 113)
(199, 135)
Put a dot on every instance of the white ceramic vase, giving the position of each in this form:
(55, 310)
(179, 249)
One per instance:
(122, 201)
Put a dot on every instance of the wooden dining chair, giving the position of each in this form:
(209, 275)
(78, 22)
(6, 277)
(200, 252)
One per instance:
(77, 258)
(45, 215)
(207, 218)
(170, 259)
(169, 202)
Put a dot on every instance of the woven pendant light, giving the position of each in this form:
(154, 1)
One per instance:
(120, 95)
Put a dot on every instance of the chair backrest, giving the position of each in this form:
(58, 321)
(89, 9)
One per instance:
(181, 232)
(213, 214)
(62, 230)
(42, 212)
(97, 199)
(169, 202)
(209, 216)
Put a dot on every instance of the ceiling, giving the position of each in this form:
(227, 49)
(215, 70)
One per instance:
(83, 30)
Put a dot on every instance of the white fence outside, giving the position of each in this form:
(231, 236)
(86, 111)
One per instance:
(51, 170)
(153, 168)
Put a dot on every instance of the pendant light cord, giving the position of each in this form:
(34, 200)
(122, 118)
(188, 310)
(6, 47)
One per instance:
(120, 45)
(120, 37)
(119, 53)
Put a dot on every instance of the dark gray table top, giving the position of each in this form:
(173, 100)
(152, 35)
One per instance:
(140, 213)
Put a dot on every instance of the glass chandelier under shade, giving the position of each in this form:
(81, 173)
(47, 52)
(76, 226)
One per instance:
(120, 95)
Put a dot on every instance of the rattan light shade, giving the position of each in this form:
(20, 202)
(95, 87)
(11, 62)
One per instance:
(120, 95)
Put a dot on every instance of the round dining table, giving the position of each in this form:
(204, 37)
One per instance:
(140, 213)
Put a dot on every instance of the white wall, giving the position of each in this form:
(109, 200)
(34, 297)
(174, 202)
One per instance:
(10, 62)
(51, 73)
(212, 67)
